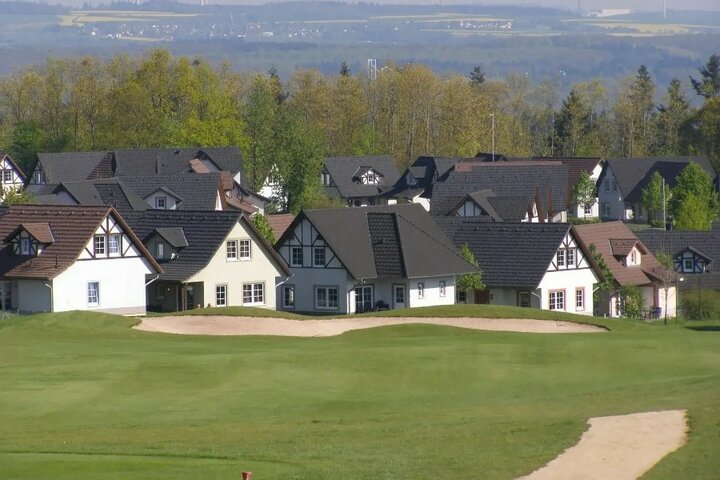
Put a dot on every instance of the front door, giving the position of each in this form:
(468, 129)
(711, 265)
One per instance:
(398, 296)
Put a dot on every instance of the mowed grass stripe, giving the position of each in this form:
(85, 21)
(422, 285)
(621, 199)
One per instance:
(393, 402)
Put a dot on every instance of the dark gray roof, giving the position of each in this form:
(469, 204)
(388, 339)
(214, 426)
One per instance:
(196, 191)
(368, 246)
(426, 171)
(344, 172)
(204, 234)
(633, 174)
(175, 236)
(174, 160)
(505, 179)
(675, 241)
(75, 166)
(109, 191)
(508, 254)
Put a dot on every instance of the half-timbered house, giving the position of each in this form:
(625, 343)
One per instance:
(359, 181)
(11, 176)
(60, 258)
(526, 264)
(359, 259)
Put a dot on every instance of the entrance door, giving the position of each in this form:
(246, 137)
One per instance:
(363, 298)
(398, 296)
(524, 299)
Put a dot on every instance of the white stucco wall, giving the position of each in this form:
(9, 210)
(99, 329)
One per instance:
(431, 291)
(569, 281)
(235, 273)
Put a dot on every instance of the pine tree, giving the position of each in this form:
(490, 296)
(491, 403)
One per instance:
(477, 76)
(709, 85)
(694, 203)
(673, 113)
(571, 124)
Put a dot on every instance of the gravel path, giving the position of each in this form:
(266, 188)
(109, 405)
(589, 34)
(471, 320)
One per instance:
(222, 325)
(621, 447)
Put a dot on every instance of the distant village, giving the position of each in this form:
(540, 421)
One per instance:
(131, 231)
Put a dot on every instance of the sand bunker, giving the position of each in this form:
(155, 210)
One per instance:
(222, 325)
(622, 447)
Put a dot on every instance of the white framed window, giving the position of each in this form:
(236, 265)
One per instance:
(39, 177)
(326, 298)
(288, 296)
(93, 294)
(7, 176)
(363, 298)
(587, 209)
(245, 250)
(114, 244)
(318, 256)
(24, 246)
(99, 245)
(296, 256)
(633, 257)
(579, 299)
(442, 288)
(570, 257)
(253, 293)
(421, 290)
(326, 179)
(231, 250)
(556, 299)
(561, 257)
(161, 203)
(688, 265)
(221, 295)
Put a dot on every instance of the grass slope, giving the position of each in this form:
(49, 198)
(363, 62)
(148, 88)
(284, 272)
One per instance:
(84, 396)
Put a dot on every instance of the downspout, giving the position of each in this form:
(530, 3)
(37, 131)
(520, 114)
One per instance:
(52, 299)
(151, 281)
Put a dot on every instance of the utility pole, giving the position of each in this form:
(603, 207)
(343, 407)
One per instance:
(665, 9)
(664, 206)
(493, 135)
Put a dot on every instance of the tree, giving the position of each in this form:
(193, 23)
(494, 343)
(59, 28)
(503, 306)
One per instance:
(632, 301)
(652, 195)
(344, 69)
(606, 281)
(477, 76)
(701, 133)
(666, 277)
(584, 192)
(15, 197)
(571, 124)
(673, 113)
(469, 281)
(260, 115)
(709, 85)
(263, 226)
(694, 203)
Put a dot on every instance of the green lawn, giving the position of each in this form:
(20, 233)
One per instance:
(82, 396)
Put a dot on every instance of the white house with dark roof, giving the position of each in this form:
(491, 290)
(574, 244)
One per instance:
(358, 259)
(11, 176)
(61, 258)
(208, 258)
(527, 264)
(622, 181)
(359, 181)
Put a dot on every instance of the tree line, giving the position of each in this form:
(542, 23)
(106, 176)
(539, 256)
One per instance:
(157, 100)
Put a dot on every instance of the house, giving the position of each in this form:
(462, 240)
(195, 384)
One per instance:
(593, 166)
(526, 264)
(486, 205)
(209, 258)
(523, 190)
(108, 191)
(623, 180)
(11, 176)
(691, 252)
(356, 259)
(632, 264)
(359, 181)
(60, 258)
(180, 191)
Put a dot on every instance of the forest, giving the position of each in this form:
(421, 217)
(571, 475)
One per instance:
(157, 100)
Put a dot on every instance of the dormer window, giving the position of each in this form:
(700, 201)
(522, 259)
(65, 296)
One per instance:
(326, 179)
(24, 246)
(31, 238)
(688, 265)
(39, 177)
(161, 203)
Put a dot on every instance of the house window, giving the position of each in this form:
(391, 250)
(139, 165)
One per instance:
(421, 290)
(161, 203)
(442, 288)
(524, 299)
(579, 299)
(93, 294)
(253, 293)
(326, 179)
(607, 185)
(587, 209)
(557, 300)
(288, 296)
(296, 257)
(462, 296)
(99, 245)
(371, 178)
(231, 249)
(326, 298)
(633, 257)
(570, 257)
(319, 256)
(561, 257)
(114, 244)
(606, 209)
(39, 177)
(245, 250)
(160, 250)
(24, 246)
(7, 176)
(220, 295)
(688, 265)
(363, 298)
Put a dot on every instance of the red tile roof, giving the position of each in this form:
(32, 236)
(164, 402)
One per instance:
(280, 223)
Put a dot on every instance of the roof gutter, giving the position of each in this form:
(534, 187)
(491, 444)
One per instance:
(151, 281)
